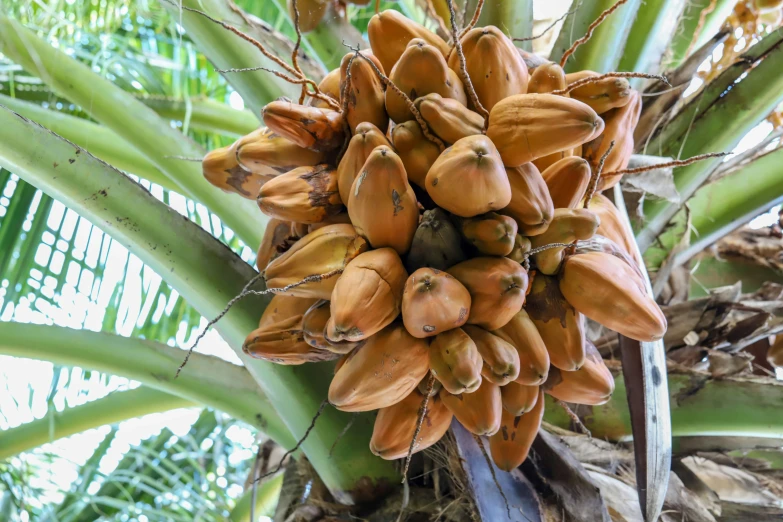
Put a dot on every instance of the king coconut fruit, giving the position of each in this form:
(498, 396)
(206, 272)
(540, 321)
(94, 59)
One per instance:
(402, 218)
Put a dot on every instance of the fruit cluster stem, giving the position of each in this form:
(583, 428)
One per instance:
(492, 471)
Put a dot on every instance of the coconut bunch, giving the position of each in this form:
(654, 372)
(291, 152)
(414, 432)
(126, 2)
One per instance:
(436, 226)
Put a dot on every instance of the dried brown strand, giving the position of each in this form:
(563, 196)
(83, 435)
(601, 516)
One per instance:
(463, 68)
(298, 443)
(699, 26)
(473, 21)
(434, 15)
(594, 79)
(246, 292)
(596, 176)
(574, 418)
(295, 52)
(673, 163)
(492, 470)
(419, 422)
(258, 45)
(342, 433)
(590, 30)
(548, 28)
(390, 85)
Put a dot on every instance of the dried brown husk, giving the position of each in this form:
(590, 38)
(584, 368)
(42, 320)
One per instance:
(264, 148)
(531, 205)
(510, 446)
(421, 70)
(365, 139)
(492, 234)
(436, 243)
(395, 426)
(469, 179)
(367, 297)
(493, 64)
(521, 333)
(365, 95)
(323, 251)
(433, 302)
(479, 412)
(500, 358)
(382, 205)
(529, 126)
(561, 327)
(380, 372)
(497, 289)
(455, 361)
(303, 195)
(316, 129)
(279, 236)
(221, 168)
